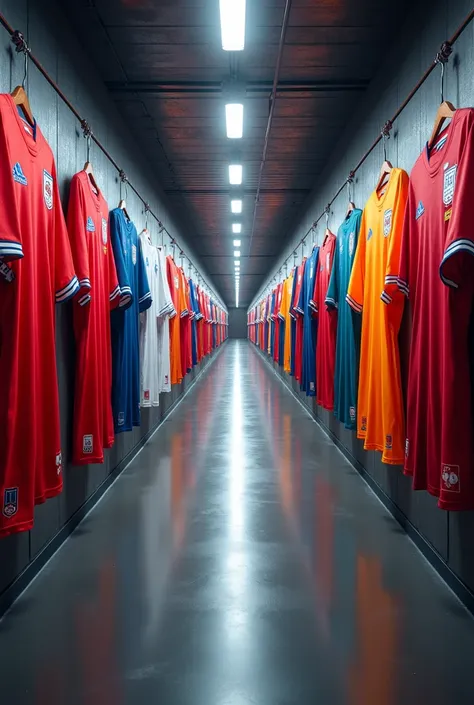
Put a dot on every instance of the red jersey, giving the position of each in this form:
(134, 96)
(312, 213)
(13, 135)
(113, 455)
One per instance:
(175, 340)
(438, 239)
(36, 271)
(87, 222)
(327, 326)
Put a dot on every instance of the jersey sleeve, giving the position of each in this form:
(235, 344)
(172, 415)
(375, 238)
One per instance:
(456, 266)
(77, 237)
(66, 283)
(144, 293)
(11, 247)
(391, 289)
(126, 296)
(183, 304)
(166, 307)
(355, 290)
(332, 294)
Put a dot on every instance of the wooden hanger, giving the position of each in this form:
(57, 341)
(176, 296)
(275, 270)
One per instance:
(445, 112)
(21, 100)
(351, 206)
(123, 206)
(122, 203)
(384, 176)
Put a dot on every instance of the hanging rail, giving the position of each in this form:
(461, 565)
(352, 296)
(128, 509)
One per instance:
(441, 58)
(19, 41)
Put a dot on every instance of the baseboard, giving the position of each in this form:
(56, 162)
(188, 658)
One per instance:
(23, 580)
(460, 589)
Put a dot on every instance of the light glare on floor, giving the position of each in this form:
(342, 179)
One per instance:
(232, 13)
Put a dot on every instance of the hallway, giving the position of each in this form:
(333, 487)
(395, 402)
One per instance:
(238, 560)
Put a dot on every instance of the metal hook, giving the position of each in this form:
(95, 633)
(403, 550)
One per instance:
(327, 212)
(25, 71)
(442, 58)
(350, 186)
(386, 136)
(147, 210)
(123, 180)
(19, 41)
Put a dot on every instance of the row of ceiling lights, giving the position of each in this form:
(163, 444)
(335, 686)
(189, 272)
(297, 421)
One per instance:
(232, 14)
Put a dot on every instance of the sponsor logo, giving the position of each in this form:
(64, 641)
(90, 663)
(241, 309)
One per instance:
(90, 227)
(449, 183)
(18, 175)
(369, 234)
(352, 413)
(6, 272)
(450, 478)
(363, 424)
(407, 447)
(420, 210)
(388, 442)
(10, 502)
(88, 443)
(351, 243)
(59, 462)
(121, 418)
(104, 230)
(134, 254)
(387, 222)
(48, 189)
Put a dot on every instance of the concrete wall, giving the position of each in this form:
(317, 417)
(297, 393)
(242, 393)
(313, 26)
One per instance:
(53, 42)
(237, 323)
(450, 534)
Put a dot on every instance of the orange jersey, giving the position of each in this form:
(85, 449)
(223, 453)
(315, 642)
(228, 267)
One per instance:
(380, 418)
(285, 315)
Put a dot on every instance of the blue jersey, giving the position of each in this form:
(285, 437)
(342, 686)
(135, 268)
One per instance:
(345, 371)
(293, 329)
(310, 325)
(194, 319)
(136, 297)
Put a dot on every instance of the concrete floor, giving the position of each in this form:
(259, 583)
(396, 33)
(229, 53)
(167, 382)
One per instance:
(238, 560)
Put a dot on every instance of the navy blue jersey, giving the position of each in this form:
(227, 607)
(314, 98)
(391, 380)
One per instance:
(135, 297)
(195, 317)
(310, 325)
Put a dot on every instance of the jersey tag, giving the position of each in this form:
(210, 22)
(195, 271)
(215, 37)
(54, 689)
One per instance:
(7, 272)
(10, 502)
(352, 413)
(88, 443)
(420, 210)
(388, 442)
(450, 477)
(90, 227)
(363, 425)
(18, 175)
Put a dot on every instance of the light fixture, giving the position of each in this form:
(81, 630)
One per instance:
(235, 174)
(236, 228)
(236, 253)
(234, 119)
(237, 262)
(237, 243)
(236, 206)
(232, 24)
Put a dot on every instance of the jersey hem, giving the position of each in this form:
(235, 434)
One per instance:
(90, 460)
(16, 528)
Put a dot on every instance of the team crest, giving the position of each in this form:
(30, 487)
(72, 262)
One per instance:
(104, 230)
(156, 267)
(388, 442)
(450, 478)
(363, 425)
(352, 413)
(351, 243)
(48, 189)
(449, 183)
(387, 222)
(88, 444)
(10, 502)
(176, 283)
(407, 447)
(59, 462)
(134, 254)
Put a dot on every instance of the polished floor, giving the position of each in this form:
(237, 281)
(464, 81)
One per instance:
(239, 560)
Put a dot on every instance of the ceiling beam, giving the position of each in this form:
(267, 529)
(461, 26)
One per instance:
(238, 192)
(252, 88)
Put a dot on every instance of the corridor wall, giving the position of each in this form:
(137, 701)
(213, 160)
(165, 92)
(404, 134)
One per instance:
(446, 536)
(52, 39)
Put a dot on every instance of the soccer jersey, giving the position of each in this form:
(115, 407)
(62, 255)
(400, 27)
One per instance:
(345, 371)
(88, 224)
(152, 328)
(327, 326)
(36, 271)
(435, 270)
(163, 325)
(285, 312)
(310, 325)
(132, 278)
(380, 419)
(299, 322)
(180, 306)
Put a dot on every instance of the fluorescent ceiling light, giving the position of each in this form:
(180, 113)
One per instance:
(237, 243)
(237, 262)
(236, 228)
(232, 24)
(236, 206)
(234, 119)
(236, 253)
(235, 174)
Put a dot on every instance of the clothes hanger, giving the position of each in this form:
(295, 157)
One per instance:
(445, 112)
(88, 166)
(123, 203)
(351, 205)
(145, 230)
(19, 96)
(386, 169)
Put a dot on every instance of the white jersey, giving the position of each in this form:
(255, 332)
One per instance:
(153, 324)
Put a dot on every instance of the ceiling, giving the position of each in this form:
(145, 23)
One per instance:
(163, 64)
